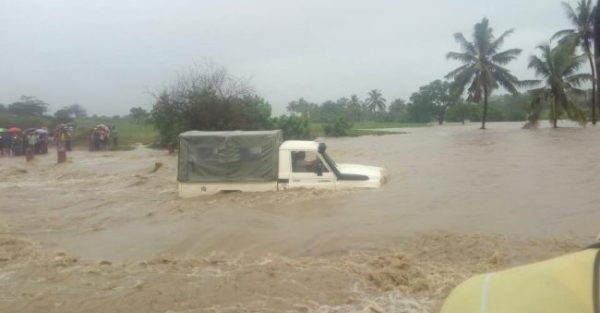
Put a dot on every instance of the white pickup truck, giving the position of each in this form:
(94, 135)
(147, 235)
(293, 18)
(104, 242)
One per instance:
(211, 162)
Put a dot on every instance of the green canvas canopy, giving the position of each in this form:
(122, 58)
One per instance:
(228, 156)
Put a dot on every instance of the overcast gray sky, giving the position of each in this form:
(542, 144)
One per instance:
(106, 54)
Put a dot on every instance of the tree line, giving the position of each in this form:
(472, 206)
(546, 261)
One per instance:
(432, 103)
(30, 111)
(557, 94)
(210, 98)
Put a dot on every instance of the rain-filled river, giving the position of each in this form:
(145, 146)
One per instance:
(104, 231)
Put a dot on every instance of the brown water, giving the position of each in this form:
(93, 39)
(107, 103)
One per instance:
(103, 233)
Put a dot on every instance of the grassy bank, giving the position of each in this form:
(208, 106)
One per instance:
(380, 125)
(366, 128)
(130, 132)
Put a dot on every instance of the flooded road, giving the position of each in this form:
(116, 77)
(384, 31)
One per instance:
(460, 201)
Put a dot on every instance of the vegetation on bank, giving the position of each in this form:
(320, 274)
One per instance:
(209, 98)
(30, 112)
(482, 69)
(139, 128)
(130, 132)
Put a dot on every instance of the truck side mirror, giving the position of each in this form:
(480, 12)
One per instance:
(319, 169)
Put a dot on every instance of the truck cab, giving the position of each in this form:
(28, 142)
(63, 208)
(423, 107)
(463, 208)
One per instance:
(306, 164)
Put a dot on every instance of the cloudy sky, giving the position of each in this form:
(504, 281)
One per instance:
(106, 55)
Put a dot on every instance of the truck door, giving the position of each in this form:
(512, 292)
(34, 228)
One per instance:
(310, 171)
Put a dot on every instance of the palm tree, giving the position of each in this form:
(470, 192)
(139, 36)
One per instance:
(482, 70)
(376, 101)
(355, 107)
(596, 36)
(582, 18)
(558, 67)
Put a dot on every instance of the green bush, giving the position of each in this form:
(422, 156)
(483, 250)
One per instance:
(293, 127)
(209, 99)
(338, 128)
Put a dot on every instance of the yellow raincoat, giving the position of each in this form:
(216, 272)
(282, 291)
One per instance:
(567, 284)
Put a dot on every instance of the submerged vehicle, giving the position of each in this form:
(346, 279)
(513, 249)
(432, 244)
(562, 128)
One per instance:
(252, 161)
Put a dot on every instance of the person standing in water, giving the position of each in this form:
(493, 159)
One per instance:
(31, 142)
(114, 133)
(68, 133)
(2, 144)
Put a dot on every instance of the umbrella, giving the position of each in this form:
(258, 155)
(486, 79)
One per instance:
(2, 130)
(14, 130)
(30, 130)
(41, 131)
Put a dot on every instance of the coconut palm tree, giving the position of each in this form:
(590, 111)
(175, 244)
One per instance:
(558, 67)
(596, 37)
(482, 65)
(582, 19)
(375, 101)
(355, 108)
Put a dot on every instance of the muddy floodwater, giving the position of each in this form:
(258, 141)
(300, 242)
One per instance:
(106, 231)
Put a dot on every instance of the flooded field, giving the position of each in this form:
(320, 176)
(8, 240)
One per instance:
(106, 233)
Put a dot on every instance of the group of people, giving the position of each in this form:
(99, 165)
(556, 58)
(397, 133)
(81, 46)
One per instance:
(17, 142)
(100, 137)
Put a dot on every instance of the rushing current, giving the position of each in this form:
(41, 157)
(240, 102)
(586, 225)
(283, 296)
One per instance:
(106, 231)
